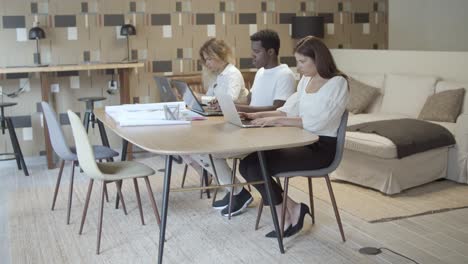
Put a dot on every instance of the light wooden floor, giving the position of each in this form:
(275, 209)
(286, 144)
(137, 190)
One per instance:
(198, 234)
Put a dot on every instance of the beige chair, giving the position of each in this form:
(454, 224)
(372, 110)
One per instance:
(107, 172)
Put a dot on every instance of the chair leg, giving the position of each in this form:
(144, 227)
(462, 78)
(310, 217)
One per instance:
(206, 183)
(18, 153)
(137, 191)
(57, 184)
(259, 213)
(107, 196)
(184, 176)
(311, 198)
(215, 177)
(233, 178)
(70, 193)
(285, 197)
(86, 121)
(85, 210)
(335, 208)
(201, 183)
(153, 202)
(117, 196)
(119, 191)
(101, 212)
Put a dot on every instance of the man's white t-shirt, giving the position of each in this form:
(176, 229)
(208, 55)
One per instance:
(277, 83)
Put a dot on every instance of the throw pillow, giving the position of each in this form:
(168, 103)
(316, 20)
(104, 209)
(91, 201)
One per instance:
(444, 106)
(361, 96)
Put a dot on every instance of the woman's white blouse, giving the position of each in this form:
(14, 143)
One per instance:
(320, 111)
(231, 82)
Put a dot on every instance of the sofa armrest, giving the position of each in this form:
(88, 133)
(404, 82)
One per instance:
(461, 132)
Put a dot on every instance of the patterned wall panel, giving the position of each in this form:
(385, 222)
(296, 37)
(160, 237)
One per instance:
(169, 34)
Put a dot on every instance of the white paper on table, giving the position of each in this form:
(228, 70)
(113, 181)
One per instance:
(21, 34)
(72, 33)
(142, 107)
(145, 114)
(153, 122)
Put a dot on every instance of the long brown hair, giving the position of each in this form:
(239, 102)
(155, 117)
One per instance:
(315, 49)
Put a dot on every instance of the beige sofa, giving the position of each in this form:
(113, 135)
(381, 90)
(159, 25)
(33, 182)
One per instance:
(371, 160)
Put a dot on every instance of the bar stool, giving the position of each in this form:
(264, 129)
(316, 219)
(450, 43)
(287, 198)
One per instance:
(89, 117)
(7, 123)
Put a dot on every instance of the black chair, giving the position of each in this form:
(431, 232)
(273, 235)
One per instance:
(7, 123)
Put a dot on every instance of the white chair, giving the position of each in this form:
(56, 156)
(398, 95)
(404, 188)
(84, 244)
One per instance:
(107, 172)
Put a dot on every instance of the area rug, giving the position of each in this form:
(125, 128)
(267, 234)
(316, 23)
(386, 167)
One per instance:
(374, 207)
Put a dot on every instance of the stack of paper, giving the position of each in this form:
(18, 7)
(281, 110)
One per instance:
(145, 114)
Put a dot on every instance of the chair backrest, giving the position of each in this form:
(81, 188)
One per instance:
(340, 141)
(84, 149)
(57, 139)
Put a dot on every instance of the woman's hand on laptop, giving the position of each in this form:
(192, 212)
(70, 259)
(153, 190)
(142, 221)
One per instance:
(268, 121)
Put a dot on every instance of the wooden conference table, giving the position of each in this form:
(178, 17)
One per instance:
(212, 136)
(45, 74)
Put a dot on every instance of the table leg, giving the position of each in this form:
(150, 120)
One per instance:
(124, 78)
(268, 186)
(167, 183)
(45, 97)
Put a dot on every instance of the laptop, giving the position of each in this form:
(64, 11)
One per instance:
(165, 89)
(230, 112)
(192, 102)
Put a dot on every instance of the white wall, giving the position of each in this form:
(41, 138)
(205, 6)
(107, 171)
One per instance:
(450, 66)
(438, 25)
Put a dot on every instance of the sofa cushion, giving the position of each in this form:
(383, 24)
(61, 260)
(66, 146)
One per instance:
(361, 96)
(373, 144)
(406, 94)
(443, 106)
(374, 80)
(449, 85)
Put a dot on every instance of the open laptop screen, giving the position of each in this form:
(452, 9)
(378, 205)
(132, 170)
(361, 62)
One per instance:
(165, 90)
(189, 98)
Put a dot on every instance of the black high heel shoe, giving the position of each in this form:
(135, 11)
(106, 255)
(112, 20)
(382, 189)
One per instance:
(298, 227)
(292, 230)
(272, 234)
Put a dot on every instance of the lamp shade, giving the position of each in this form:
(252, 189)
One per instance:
(303, 26)
(128, 30)
(36, 33)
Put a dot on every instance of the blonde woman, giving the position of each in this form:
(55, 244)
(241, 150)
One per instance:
(216, 58)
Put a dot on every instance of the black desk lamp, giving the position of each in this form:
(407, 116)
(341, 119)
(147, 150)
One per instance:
(37, 33)
(128, 30)
(303, 26)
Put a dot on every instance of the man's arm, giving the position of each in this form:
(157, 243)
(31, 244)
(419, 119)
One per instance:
(251, 109)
